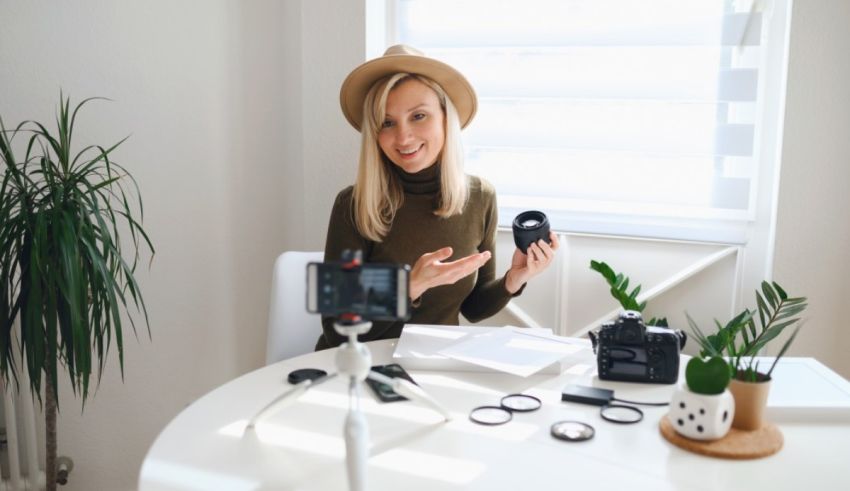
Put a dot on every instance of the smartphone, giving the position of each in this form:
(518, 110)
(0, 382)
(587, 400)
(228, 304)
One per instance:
(384, 392)
(373, 291)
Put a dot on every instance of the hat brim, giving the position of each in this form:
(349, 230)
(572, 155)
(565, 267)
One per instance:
(360, 80)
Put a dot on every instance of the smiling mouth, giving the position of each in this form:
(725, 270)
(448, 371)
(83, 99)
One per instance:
(410, 153)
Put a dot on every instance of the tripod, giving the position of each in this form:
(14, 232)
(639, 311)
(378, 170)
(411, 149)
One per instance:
(353, 360)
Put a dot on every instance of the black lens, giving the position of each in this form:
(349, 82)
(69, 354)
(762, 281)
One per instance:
(529, 227)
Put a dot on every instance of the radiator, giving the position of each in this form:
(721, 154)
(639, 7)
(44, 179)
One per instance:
(21, 471)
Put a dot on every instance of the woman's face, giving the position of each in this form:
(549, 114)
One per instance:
(412, 133)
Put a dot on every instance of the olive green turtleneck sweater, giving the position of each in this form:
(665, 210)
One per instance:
(415, 231)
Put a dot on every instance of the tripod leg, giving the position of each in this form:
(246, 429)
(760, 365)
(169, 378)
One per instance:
(356, 439)
(412, 392)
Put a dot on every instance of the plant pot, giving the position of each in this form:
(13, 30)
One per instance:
(751, 402)
(701, 416)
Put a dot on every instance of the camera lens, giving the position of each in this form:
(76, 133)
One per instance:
(529, 227)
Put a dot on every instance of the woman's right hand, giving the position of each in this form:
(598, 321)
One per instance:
(430, 270)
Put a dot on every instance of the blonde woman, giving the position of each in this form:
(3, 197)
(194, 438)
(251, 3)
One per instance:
(412, 202)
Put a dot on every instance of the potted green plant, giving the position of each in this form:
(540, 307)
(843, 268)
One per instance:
(66, 221)
(703, 409)
(741, 341)
(619, 284)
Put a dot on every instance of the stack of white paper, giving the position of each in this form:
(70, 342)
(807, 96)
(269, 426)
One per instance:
(514, 350)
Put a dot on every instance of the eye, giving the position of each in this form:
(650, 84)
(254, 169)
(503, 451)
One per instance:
(419, 116)
(386, 124)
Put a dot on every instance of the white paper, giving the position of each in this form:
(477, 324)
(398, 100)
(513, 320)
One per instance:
(517, 351)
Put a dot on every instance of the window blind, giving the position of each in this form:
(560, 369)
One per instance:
(612, 116)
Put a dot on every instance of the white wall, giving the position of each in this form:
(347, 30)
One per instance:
(239, 146)
(813, 220)
(206, 88)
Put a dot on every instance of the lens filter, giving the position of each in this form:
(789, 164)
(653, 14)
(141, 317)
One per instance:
(521, 403)
(621, 414)
(572, 431)
(501, 414)
(490, 415)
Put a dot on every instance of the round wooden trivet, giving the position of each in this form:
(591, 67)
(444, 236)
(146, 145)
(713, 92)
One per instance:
(737, 444)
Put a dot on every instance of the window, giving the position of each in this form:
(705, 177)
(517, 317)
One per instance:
(613, 116)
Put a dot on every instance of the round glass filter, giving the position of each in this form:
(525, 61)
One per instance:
(520, 403)
(490, 415)
(621, 414)
(572, 431)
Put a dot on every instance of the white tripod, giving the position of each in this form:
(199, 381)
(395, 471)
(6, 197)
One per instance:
(354, 360)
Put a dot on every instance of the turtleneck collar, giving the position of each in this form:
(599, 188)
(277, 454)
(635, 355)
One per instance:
(426, 181)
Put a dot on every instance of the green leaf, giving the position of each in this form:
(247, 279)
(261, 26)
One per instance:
(763, 310)
(707, 377)
(785, 347)
(780, 291)
(769, 293)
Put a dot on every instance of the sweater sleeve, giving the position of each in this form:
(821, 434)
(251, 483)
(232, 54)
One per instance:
(489, 295)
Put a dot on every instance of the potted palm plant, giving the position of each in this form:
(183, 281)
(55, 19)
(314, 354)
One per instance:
(66, 221)
(741, 340)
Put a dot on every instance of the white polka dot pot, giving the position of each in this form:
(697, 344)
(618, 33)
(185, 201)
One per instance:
(701, 416)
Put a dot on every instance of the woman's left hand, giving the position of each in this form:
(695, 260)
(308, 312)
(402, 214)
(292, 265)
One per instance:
(525, 266)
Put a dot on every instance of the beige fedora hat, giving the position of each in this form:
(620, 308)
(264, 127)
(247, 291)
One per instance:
(405, 59)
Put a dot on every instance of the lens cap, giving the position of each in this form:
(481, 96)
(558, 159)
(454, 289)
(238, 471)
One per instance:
(302, 374)
(529, 227)
(572, 431)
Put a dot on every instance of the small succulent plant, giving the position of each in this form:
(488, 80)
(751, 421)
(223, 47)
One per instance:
(709, 377)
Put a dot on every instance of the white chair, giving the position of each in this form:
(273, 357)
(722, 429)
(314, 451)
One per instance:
(292, 330)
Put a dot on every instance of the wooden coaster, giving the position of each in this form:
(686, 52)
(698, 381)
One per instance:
(737, 444)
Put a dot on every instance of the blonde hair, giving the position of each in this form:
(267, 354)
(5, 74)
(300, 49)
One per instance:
(378, 193)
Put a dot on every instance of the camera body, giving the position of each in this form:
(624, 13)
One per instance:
(629, 351)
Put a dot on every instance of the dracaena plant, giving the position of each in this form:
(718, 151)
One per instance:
(619, 284)
(742, 338)
(70, 237)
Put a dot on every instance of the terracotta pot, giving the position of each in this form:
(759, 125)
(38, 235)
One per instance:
(750, 403)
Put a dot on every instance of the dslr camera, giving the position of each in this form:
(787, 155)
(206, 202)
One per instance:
(629, 351)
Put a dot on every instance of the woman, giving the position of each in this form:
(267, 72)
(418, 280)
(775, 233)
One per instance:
(412, 203)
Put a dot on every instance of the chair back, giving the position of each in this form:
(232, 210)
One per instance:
(292, 330)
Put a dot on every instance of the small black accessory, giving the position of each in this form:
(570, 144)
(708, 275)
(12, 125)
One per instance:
(572, 431)
(384, 392)
(598, 396)
(529, 227)
(629, 351)
(587, 395)
(501, 414)
(302, 374)
(621, 414)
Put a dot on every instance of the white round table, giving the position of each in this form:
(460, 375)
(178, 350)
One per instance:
(301, 446)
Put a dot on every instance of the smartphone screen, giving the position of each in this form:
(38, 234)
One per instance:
(373, 291)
